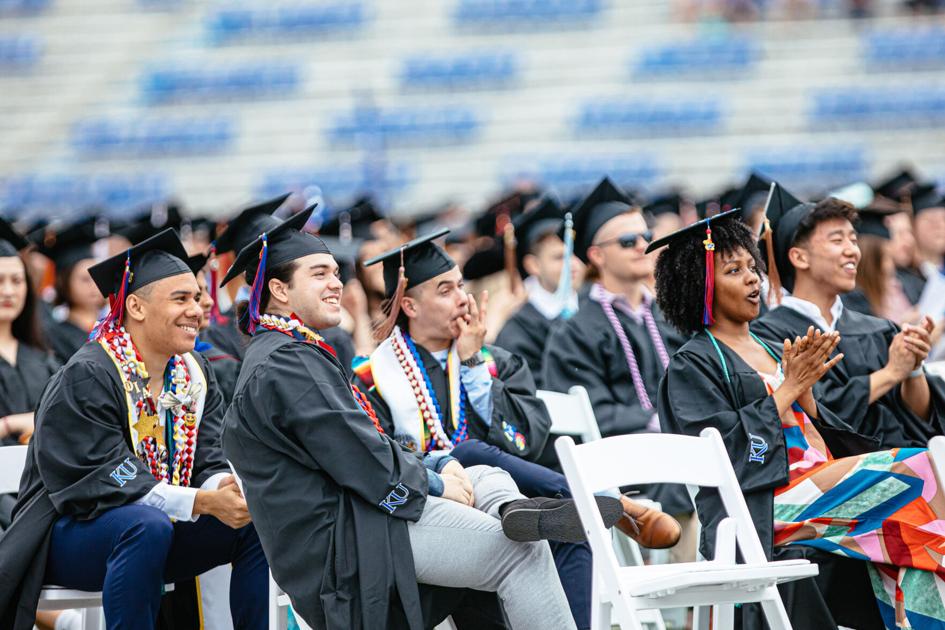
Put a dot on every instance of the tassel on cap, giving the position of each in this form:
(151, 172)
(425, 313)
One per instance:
(116, 304)
(255, 293)
(774, 278)
(213, 272)
(707, 317)
(391, 306)
(563, 294)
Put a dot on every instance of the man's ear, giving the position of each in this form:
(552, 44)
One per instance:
(408, 306)
(596, 256)
(136, 307)
(278, 291)
(530, 263)
(799, 258)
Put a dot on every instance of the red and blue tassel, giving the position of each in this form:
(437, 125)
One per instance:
(259, 281)
(116, 304)
(707, 318)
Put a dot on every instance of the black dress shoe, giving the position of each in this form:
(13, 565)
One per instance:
(528, 520)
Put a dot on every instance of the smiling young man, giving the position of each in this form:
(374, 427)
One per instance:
(350, 520)
(125, 487)
(880, 387)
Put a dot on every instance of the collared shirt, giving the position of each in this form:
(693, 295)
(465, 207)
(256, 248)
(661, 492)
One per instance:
(812, 311)
(478, 383)
(176, 501)
(545, 302)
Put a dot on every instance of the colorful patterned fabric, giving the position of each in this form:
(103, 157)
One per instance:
(884, 507)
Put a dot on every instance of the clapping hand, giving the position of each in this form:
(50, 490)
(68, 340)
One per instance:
(807, 359)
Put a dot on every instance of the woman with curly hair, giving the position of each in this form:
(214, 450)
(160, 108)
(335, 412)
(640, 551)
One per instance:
(815, 488)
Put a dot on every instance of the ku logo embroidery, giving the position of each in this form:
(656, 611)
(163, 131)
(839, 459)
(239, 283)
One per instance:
(396, 498)
(125, 472)
(757, 449)
(513, 436)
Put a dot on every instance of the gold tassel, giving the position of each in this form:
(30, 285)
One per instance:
(391, 306)
(774, 278)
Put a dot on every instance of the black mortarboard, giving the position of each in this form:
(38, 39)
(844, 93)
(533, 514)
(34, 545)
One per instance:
(782, 219)
(422, 260)
(156, 258)
(603, 203)
(197, 262)
(721, 202)
(545, 218)
(11, 241)
(355, 221)
(69, 245)
(485, 262)
(751, 195)
(872, 221)
(925, 197)
(248, 224)
(202, 224)
(664, 204)
(345, 254)
(896, 185)
(152, 221)
(492, 221)
(702, 230)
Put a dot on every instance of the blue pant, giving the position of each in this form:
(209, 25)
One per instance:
(130, 552)
(573, 561)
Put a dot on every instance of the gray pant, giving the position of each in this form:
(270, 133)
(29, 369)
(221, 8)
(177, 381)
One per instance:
(460, 546)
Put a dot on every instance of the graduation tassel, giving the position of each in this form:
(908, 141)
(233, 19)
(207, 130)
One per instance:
(707, 318)
(255, 293)
(391, 306)
(216, 317)
(774, 278)
(563, 294)
(116, 304)
(511, 265)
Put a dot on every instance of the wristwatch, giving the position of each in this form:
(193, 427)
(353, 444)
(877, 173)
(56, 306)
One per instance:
(474, 360)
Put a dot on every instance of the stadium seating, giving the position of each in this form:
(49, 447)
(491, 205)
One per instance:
(646, 116)
(811, 167)
(884, 107)
(532, 12)
(566, 174)
(23, 7)
(698, 58)
(249, 80)
(406, 125)
(226, 24)
(73, 192)
(477, 69)
(917, 46)
(153, 136)
(19, 52)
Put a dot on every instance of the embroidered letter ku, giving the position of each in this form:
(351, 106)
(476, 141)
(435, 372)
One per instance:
(757, 449)
(395, 499)
(125, 472)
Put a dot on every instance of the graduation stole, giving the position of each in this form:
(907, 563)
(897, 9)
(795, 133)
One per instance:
(163, 435)
(293, 327)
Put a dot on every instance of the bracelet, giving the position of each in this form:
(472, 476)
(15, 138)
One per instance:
(918, 371)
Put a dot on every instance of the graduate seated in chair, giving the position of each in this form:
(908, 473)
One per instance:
(125, 487)
(815, 487)
(351, 520)
(477, 402)
(880, 388)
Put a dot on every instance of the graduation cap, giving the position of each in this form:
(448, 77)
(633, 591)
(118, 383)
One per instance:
(725, 200)
(544, 218)
(69, 245)
(872, 221)
(197, 262)
(355, 221)
(664, 204)
(408, 266)
(493, 220)
(699, 229)
(896, 185)
(248, 224)
(155, 219)
(155, 258)
(485, 262)
(11, 241)
(283, 243)
(345, 253)
(751, 195)
(926, 197)
(603, 203)
(783, 216)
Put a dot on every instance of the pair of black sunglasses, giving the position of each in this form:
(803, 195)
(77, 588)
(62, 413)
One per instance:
(629, 240)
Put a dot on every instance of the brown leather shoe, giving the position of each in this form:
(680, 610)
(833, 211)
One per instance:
(648, 527)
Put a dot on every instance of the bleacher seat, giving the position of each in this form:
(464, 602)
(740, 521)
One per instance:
(102, 137)
(19, 52)
(902, 48)
(229, 23)
(882, 107)
(115, 191)
(477, 69)
(698, 58)
(526, 13)
(23, 7)
(406, 125)
(230, 81)
(809, 167)
(646, 116)
(338, 182)
(569, 174)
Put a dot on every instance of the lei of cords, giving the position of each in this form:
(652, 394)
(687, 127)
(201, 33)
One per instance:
(172, 461)
(296, 329)
(426, 397)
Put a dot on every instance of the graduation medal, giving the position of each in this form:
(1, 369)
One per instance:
(163, 435)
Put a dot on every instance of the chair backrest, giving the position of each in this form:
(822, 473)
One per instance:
(654, 458)
(571, 413)
(12, 463)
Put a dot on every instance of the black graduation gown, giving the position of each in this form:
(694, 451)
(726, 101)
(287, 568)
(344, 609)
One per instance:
(226, 368)
(525, 334)
(912, 281)
(330, 495)
(79, 446)
(845, 390)
(856, 301)
(65, 339)
(694, 395)
(513, 402)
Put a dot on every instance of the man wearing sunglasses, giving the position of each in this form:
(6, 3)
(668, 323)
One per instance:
(617, 345)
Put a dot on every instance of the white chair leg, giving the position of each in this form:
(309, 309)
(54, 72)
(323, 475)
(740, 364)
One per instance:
(700, 617)
(93, 619)
(775, 613)
(723, 617)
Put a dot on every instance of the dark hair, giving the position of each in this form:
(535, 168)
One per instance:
(825, 210)
(680, 272)
(870, 277)
(61, 283)
(282, 272)
(26, 327)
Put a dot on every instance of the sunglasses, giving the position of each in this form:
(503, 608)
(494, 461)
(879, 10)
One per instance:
(629, 240)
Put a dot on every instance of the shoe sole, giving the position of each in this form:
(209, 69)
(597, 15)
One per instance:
(560, 524)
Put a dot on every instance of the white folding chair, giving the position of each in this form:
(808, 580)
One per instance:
(721, 582)
(573, 414)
